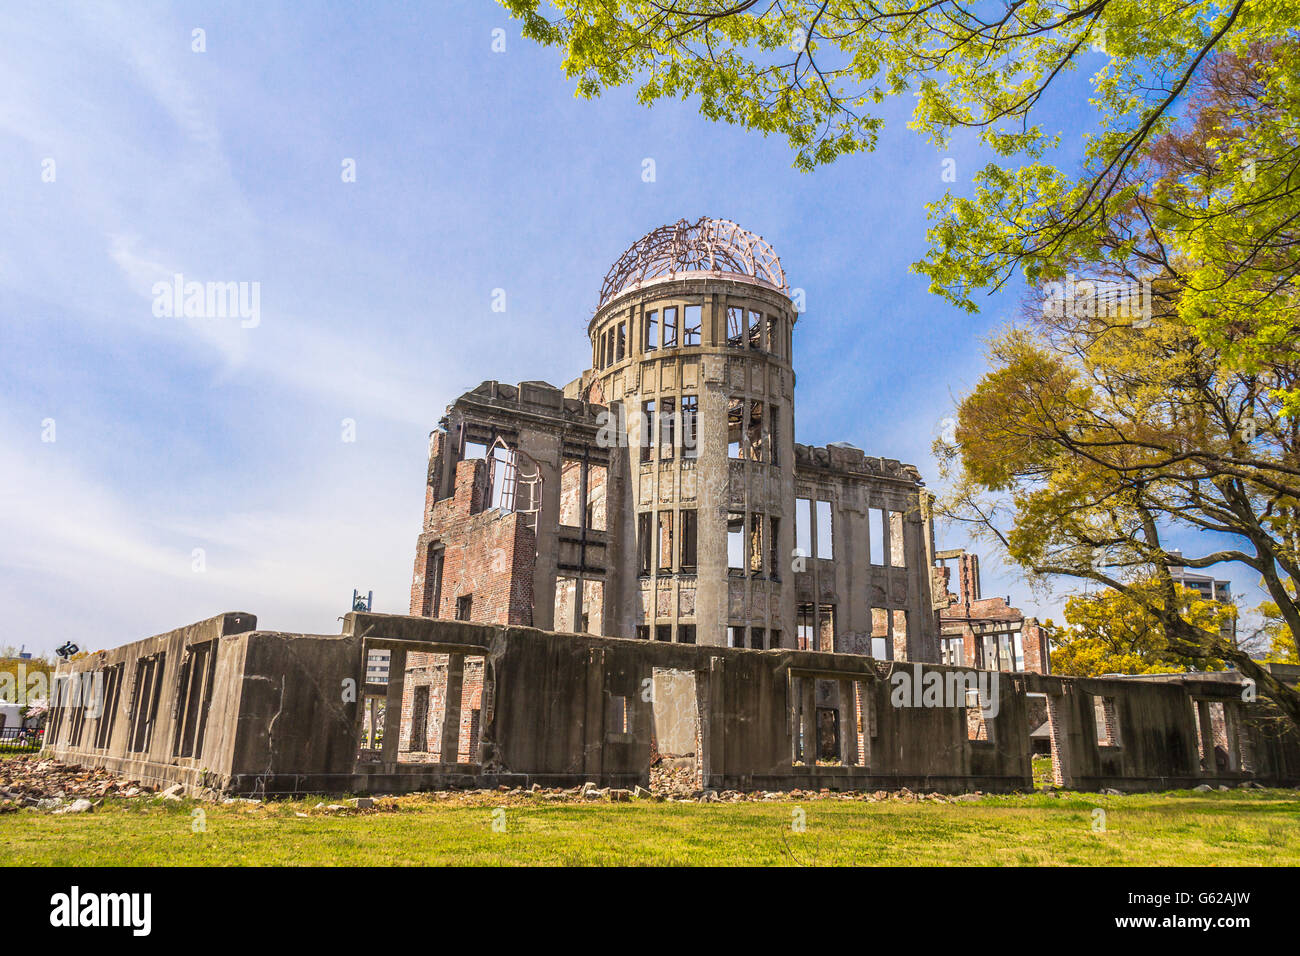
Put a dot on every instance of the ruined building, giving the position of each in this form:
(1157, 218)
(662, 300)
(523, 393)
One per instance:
(644, 565)
(661, 494)
(984, 633)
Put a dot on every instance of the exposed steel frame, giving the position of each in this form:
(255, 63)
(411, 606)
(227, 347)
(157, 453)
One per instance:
(706, 245)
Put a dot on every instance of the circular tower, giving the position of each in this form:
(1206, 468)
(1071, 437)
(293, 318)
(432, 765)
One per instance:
(691, 344)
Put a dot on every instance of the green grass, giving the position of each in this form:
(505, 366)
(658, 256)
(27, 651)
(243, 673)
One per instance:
(1042, 771)
(1239, 828)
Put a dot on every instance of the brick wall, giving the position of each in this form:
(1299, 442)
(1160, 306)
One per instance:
(430, 670)
(1033, 638)
(487, 556)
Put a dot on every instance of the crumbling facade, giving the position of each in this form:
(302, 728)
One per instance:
(667, 498)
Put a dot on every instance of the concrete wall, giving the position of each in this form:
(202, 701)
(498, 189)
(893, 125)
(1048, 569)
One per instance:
(155, 760)
(519, 705)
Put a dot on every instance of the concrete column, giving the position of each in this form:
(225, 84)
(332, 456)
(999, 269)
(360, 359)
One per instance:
(808, 713)
(393, 704)
(1208, 763)
(1232, 730)
(868, 698)
(848, 724)
(594, 722)
(449, 751)
(713, 718)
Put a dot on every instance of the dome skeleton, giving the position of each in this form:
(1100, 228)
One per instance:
(706, 245)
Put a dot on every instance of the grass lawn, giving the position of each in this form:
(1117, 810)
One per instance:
(1239, 827)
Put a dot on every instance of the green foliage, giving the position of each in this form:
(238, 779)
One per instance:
(1218, 223)
(1111, 632)
(1281, 645)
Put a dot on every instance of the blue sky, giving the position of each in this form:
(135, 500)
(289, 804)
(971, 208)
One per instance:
(475, 171)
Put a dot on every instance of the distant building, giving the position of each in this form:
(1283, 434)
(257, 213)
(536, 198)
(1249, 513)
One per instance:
(377, 667)
(1211, 589)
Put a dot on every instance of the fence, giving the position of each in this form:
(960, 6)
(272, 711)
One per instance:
(24, 739)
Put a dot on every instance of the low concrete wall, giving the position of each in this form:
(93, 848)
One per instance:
(138, 726)
(284, 715)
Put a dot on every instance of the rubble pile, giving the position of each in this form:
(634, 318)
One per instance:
(50, 785)
(30, 781)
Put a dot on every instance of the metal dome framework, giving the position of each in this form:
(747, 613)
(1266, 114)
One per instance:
(706, 245)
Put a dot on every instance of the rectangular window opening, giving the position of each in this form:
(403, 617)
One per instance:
(755, 436)
(774, 557)
(571, 493)
(647, 429)
(688, 535)
(691, 324)
(803, 526)
(419, 742)
(665, 541)
(826, 629)
(593, 606)
(825, 538)
(755, 557)
(667, 427)
(876, 536)
(735, 541)
(616, 718)
(1106, 721)
(953, 650)
(690, 418)
(597, 479)
(566, 605)
(880, 634)
(773, 454)
(670, 327)
(736, 327)
(977, 726)
(805, 617)
(644, 542)
(735, 418)
(897, 550)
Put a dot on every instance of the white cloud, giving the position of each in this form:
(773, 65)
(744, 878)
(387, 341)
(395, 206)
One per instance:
(293, 564)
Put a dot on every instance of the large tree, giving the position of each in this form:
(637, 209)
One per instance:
(816, 71)
(1110, 421)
